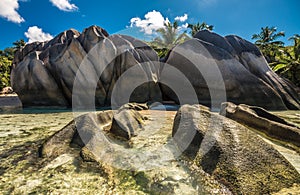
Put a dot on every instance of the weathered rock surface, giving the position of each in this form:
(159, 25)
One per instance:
(69, 136)
(126, 123)
(230, 152)
(217, 65)
(135, 156)
(94, 68)
(44, 73)
(134, 106)
(10, 102)
(263, 121)
(223, 155)
(35, 85)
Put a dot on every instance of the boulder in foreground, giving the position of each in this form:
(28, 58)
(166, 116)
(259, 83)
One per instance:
(231, 153)
(221, 154)
(263, 121)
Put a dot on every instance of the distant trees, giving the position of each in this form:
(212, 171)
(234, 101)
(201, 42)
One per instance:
(5, 64)
(267, 42)
(283, 60)
(169, 36)
(6, 58)
(288, 62)
(19, 44)
(296, 48)
(198, 27)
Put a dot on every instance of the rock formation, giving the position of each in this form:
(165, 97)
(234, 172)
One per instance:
(44, 73)
(10, 103)
(218, 69)
(211, 61)
(263, 121)
(231, 153)
(61, 141)
(221, 155)
(126, 123)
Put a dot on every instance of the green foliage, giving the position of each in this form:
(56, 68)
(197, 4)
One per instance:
(169, 37)
(285, 61)
(267, 42)
(6, 58)
(5, 64)
(195, 28)
(19, 44)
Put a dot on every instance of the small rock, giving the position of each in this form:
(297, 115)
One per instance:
(126, 123)
(7, 90)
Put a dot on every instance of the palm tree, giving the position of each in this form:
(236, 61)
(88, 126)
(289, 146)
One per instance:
(296, 47)
(169, 37)
(288, 64)
(19, 44)
(198, 27)
(266, 41)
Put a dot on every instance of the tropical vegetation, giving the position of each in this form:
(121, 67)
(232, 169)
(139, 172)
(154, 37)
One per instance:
(198, 27)
(169, 36)
(284, 60)
(266, 40)
(6, 58)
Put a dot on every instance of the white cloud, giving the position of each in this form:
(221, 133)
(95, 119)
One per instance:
(64, 5)
(8, 10)
(183, 27)
(153, 21)
(35, 33)
(182, 18)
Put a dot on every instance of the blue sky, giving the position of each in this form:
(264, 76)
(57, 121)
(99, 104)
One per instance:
(42, 19)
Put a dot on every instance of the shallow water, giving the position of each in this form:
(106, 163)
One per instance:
(292, 156)
(23, 172)
(19, 127)
(21, 133)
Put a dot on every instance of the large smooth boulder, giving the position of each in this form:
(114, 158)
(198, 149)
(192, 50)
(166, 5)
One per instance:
(34, 83)
(94, 68)
(231, 153)
(88, 66)
(263, 121)
(229, 67)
